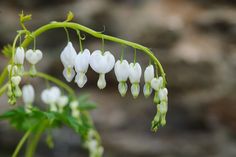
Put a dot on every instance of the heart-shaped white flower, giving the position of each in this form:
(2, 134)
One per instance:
(122, 70)
(33, 57)
(157, 83)
(149, 73)
(81, 67)
(28, 94)
(102, 64)
(19, 56)
(148, 76)
(135, 72)
(16, 80)
(50, 96)
(163, 93)
(68, 56)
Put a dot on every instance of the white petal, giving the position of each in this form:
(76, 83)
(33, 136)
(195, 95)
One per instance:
(55, 93)
(82, 61)
(149, 73)
(28, 94)
(62, 101)
(101, 81)
(68, 55)
(102, 63)
(51, 95)
(69, 74)
(16, 80)
(135, 89)
(135, 72)
(45, 96)
(81, 79)
(157, 83)
(163, 94)
(33, 57)
(19, 55)
(122, 87)
(147, 90)
(122, 70)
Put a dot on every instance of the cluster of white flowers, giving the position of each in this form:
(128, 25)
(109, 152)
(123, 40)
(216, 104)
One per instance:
(103, 63)
(16, 70)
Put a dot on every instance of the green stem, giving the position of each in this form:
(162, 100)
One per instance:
(3, 89)
(30, 150)
(22, 141)
(54, 80)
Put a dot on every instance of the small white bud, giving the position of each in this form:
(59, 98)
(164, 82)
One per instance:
(19, 56)
(122, 87)
(28, 94)
(16, 80)
(157, 83)
(135, 89)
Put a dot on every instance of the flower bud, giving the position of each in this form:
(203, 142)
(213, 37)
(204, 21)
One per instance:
(28, 94)
(19, 56)
(147, 90)
(16, 80)
(33, 56)
(101, 81)
(157, 83)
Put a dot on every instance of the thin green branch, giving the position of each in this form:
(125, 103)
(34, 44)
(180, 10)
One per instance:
(22, 141)
(3, 89)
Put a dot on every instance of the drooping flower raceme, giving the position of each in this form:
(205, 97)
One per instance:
(19, 59)
(28, 97)
(122, 74)
(135, 73)
(68, 56)
(33, 57)
(102, 63)
(148, 76)
(81, 67)
(50, 96)
(162, 107)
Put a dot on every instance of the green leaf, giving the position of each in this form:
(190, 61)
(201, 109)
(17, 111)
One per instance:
(7, 50)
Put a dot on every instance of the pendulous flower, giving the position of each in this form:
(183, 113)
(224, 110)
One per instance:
(33, 57)
(68, 56)
(102, 63)
(81, 67)
(50, 96)
(157, 84)
(19, 56)
(135, 73)
(62, 101)
(122, 74)
(28, 97)
(148, 76)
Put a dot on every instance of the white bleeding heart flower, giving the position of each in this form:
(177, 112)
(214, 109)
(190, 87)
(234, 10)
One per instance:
(16, 80)
(148, 76)
(50, 96)
(102, 63)
(19, 56)
(122, 70)
(163, 94)
(122, 74)
(149, 73)
(68, 56)
(157, 83)
(81, 67)
(28, 94)
(12, 69)
(33, 56)
(135, 73)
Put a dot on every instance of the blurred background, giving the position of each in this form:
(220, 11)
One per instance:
(195, 40)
